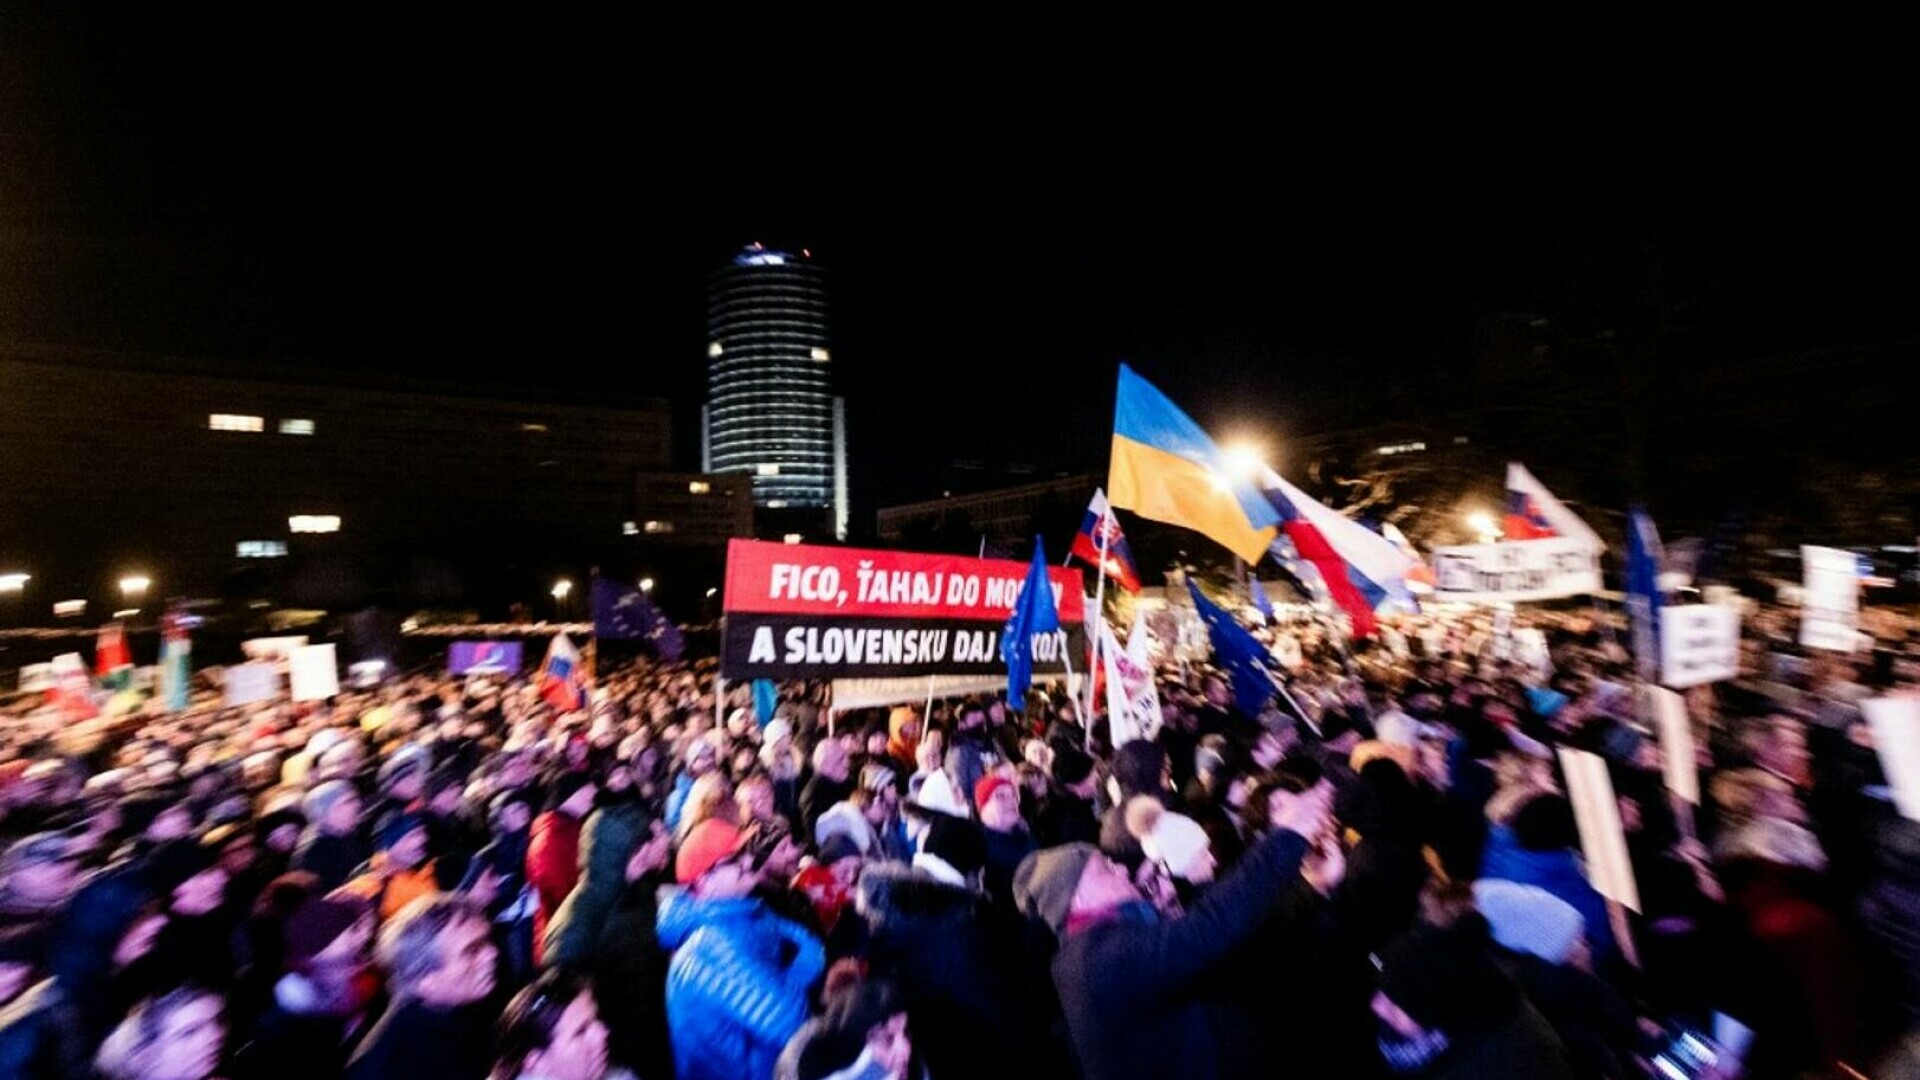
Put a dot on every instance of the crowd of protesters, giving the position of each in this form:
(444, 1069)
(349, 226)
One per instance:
(1378, 874)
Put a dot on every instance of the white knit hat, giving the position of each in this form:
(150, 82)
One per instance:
(1529, 919)
(1174, 840)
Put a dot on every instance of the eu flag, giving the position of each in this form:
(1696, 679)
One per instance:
(1236, 650)
(1033, 613)
(623, 613)
(1260, 599)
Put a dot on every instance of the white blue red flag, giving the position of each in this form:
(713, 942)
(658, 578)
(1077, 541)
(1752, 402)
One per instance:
(562, 683)
(1360, 569)
(1100, 530)
(1534, 514)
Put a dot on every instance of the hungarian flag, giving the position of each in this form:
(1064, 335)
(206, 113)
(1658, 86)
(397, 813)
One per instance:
(112, 661)
(1101, 544)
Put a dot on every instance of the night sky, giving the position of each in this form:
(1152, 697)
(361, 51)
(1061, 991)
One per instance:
(535, 205)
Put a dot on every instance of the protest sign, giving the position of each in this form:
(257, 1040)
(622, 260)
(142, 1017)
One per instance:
(272, 648)
(1602, 839)
(1518, 570)
(1676, 744)
(801, 611)
(484, 658)
(1699, 643)
(248, 683)
(315, 673)
(1896, 738)
(34, 677)
(1830, 611)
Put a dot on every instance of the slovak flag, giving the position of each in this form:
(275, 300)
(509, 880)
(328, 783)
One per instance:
(1360, 568)
(1534, 514)
(1098, 529)
(561, 682)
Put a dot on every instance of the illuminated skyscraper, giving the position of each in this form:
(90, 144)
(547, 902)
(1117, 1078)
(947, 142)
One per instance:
(771, 412)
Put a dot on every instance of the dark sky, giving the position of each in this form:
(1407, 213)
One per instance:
(542, 203)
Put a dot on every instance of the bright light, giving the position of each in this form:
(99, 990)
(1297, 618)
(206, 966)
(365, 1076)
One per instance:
(314, 523)
(646, 584)
(793, 538)
(68, 608)
(1244, 460)
(698, 487)
(562, 589)
(1483, 524)
(296, 426)
(134, 585)
(14, 582)
(628, 528)
(260, 549)
(126, 613)
(235, 422)
(711, 593)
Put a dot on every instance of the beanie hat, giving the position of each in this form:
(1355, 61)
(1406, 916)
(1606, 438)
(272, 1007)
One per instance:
(707, 845)
(396, 829)
(876, 777)
(1045, 881)
(836, 847)
(956, 842)
(1545, 823)
(1445, 979)
(409, 760)
(1070, 765)
(324, 797)
(1529, 919)
(776, 729)
(316, 924)
(984, 789)
(1173, 840)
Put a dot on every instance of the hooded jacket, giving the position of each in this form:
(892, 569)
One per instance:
(1556, 871)
(611, 836)
(1138, 993)
(736, 986)
(935, 942)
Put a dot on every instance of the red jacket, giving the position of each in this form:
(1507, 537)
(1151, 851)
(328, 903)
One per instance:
(553, 867)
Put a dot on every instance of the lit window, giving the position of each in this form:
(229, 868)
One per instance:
(653, 527)
(776, 504)
(533, 427)
(793, 538)
(698, 487)
(221, 421)
(821, 354)
(628, 528)
(714, 349)
(1403, 448)
(68, 608)
(767, 470)
(296, 426)
(260, 549)
(314, 523)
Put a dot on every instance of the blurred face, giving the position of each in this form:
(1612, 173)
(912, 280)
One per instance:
(349, 950)
(406, 787)
(13, 979)
(445, 802)
(882, 806)
(514, 817)
(201, 893)
(466, 966)
(1217, 695)
(138, 940)
(172, 823)
(578, 1050)
(410, 850)
(45, 882)
(283, 839)
(892, 1050)
(756, 801)
(188, 1045)
(344, 817)
(727, 881)
(1104, 885)
(847, 871)
(833, 761)
(581, 801)
(877, 743)
(1002, 811)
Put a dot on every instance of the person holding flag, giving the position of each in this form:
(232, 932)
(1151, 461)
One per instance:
(1101, 544)
(561, 682)
(1034, 612)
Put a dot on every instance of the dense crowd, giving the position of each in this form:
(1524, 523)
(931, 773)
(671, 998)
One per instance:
(1378, 874)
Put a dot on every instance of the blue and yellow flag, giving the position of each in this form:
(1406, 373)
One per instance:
(1165, 467)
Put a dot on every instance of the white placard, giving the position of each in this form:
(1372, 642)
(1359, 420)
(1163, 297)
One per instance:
(1699, 643)
(248, 683)
(1896, 738)
(35, 677)
(315, 673)
(1602, 838)
(1517, 570)
(1676, 744)
(1830, 614)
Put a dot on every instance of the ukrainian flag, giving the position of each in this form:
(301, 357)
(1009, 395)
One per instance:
(1164, 467)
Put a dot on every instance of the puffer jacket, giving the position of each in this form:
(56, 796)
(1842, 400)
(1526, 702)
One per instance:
(736, 986)
(609, 840)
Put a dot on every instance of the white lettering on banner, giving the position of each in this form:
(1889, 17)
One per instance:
(791, 582)
(863, 645)
(761, 651)
(1830, 616)
(1516, 570)
(1699, 643)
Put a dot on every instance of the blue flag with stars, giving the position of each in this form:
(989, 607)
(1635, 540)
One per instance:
(1236, 651)
(623, 613)
(1261, 601)
(1033, 613)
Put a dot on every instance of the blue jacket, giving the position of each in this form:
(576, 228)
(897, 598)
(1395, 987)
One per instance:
(677, 800)
(733, 1001)
(1559, 873)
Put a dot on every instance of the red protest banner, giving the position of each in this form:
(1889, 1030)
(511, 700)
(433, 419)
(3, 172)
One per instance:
(799, 579)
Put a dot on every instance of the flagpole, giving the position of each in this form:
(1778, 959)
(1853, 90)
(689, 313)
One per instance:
(1100, 618)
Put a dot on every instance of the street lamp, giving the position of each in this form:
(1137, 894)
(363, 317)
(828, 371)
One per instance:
(14, 582)
(646, 584)
(134, 586)
(562, 589)
(1484, 526)
(1244, 459)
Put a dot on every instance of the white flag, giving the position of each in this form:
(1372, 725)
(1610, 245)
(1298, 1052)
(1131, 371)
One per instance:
(1133, 703)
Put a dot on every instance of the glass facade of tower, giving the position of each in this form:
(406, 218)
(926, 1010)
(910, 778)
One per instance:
(771, 413)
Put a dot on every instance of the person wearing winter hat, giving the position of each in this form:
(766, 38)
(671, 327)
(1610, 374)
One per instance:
(1131, 983)
(737, 983)
(1067, 815)
(1448, 1012)
(319, 998)
(1530, 920)
(702, 757)
(400, 871)
(333, 847)
(952, 851)
(1004, 835)
(553, 849)
(828, 880)
(1173, 841)
(1139, 768)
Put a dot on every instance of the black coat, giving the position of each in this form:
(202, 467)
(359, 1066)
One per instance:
(1593, 1021)
(629, 971)
(819, 796)
(1066, 819)
(1521, 1045)
(937, 943)
(41, 1036)
(414, 1041)
(293, 1046)
(1145, 998)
